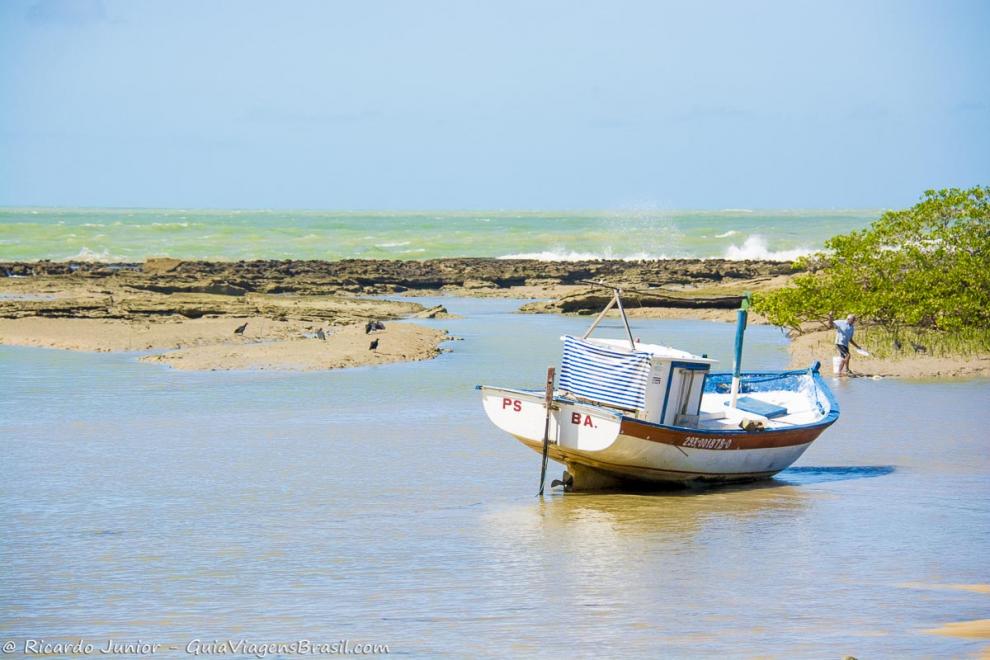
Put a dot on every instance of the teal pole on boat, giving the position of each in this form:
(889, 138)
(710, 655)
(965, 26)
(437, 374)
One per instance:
(741, 317)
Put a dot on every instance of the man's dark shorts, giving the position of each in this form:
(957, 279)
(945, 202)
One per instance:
(843, 350)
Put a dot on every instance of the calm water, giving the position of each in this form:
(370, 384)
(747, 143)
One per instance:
(132, 235)
(379, 504)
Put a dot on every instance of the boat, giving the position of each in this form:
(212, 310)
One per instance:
(629, 413)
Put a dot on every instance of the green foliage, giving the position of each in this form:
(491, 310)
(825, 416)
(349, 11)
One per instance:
(886, 343)
(924, 267)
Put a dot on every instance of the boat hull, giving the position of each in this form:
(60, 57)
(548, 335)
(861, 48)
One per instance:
(621, 449)
(639, 459)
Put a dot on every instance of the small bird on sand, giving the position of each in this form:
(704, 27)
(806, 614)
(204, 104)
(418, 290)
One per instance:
(374, 345)
(379, 325)
(373, 325)
(321, 335)
(918, 348)
(239, 330)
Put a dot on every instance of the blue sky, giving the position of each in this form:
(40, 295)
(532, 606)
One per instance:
(491, 105)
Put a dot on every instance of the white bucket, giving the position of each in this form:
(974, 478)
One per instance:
(836, 363)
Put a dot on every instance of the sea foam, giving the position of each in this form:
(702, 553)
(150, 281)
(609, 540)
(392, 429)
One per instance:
(755, 247)
(85, 254)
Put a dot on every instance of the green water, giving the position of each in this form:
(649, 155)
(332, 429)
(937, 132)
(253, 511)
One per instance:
(133, 235)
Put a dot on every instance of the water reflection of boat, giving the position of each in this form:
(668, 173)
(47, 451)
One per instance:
(601, 529)
(629, 411)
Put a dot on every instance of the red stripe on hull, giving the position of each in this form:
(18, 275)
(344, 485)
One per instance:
(710, 439)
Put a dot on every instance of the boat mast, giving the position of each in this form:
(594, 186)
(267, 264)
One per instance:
(615, 301)
(741, 316)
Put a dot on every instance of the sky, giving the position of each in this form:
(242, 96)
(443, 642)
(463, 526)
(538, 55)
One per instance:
(458, 104)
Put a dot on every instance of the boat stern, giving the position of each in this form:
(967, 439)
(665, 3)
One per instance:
(573, 426)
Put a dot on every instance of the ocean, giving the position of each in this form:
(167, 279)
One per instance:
(380, 505)
(132, 235)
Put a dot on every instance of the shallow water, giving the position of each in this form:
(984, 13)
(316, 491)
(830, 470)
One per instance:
(378, 504)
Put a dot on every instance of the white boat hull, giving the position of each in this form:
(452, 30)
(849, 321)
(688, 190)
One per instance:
(598, 445)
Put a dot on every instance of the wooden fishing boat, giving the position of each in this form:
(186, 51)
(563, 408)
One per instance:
(627, 411)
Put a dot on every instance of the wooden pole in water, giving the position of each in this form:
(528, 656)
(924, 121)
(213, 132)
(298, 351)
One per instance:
(548, 402)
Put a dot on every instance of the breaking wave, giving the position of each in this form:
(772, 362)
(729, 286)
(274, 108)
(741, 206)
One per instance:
(85, 254)
(731, 232)
(755, 247)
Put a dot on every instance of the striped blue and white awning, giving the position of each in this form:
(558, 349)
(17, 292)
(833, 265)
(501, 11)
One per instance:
(604, 374)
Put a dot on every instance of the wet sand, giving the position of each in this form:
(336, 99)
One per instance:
(975, 588)
(975, 629)
(172, 304)
(346, 346)
(191, 309)
(820, 346)
(978, 629)
(210, 343)
(197, 322)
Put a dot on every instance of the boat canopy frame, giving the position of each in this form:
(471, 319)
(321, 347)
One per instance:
(616, 301)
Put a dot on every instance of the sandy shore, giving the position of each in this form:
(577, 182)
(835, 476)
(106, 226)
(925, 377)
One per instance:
(345, 346)
(210, 343)
(820, 345)
(196, 322)
(977, 629)
(191, 308)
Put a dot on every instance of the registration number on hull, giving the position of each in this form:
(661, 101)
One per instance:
(707, 443)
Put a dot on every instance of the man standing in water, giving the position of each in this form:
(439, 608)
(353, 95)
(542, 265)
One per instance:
(843, 337)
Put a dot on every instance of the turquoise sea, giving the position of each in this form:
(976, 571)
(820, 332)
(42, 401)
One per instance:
(134, 234)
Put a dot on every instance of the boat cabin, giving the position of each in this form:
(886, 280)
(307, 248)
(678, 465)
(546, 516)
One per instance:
(658, 384)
